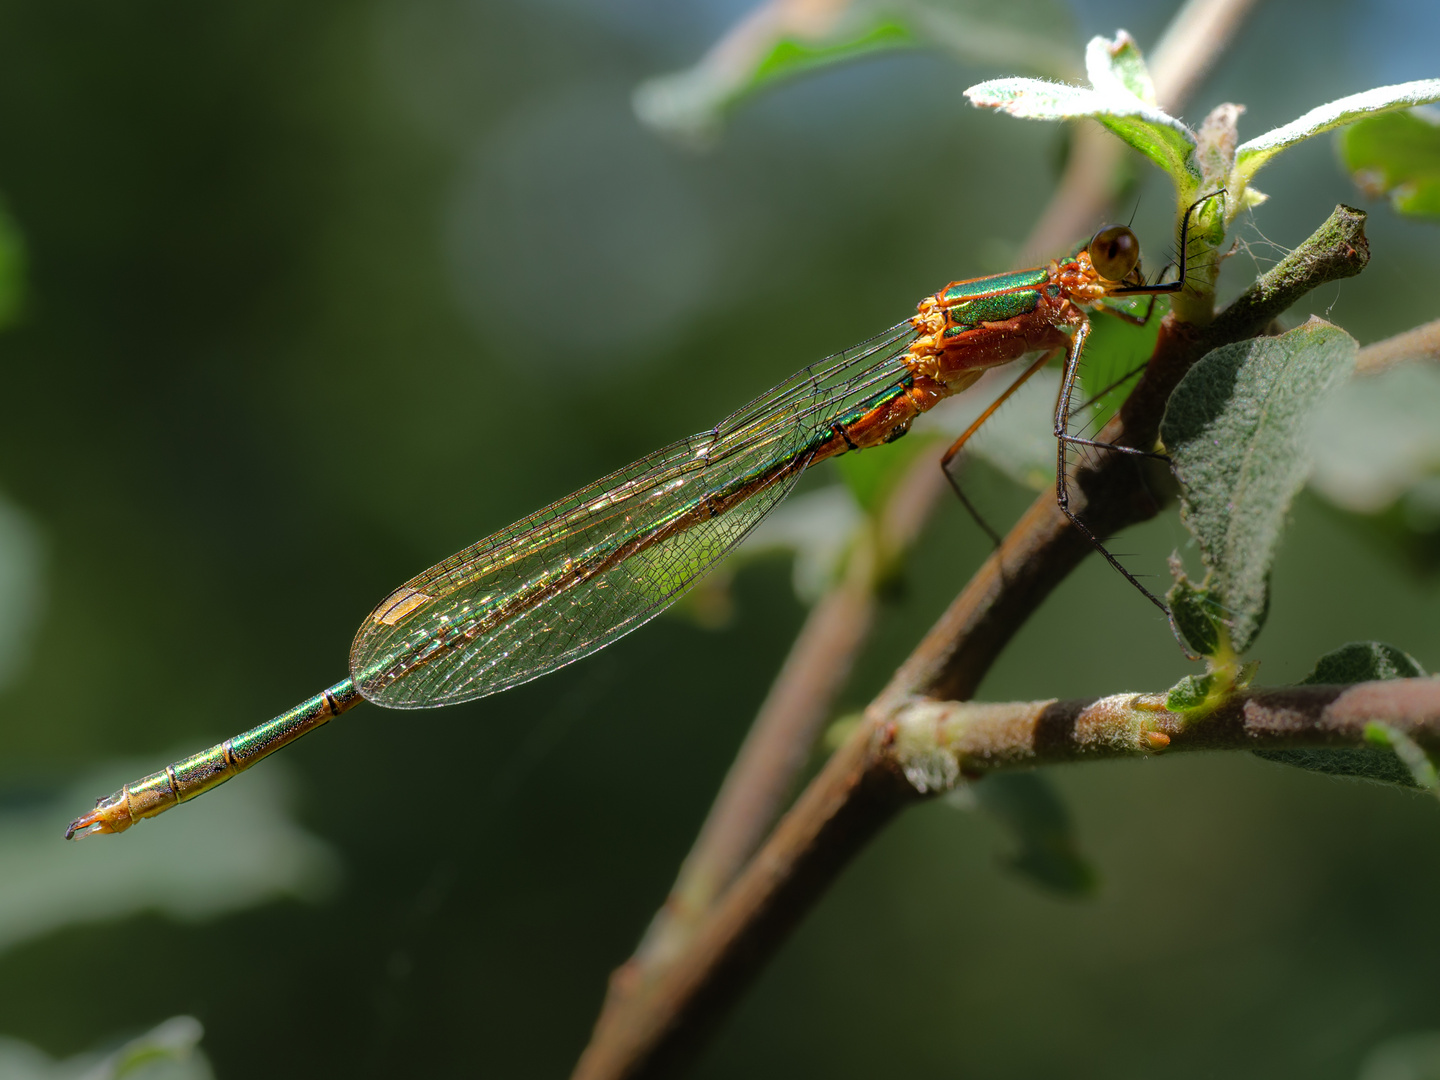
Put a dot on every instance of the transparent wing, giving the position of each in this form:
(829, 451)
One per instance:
(573, 577)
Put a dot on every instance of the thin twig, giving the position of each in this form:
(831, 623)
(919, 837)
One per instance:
(938, 742)
(775, 749)
(654, 1025)
(663, 1020)
(1422, 343)
(785, 729)
(1187, 52)
(884, 769)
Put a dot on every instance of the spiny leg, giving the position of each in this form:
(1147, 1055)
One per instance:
(1076, 440)
(1063, 439)
(959, 443)
(1121, 381)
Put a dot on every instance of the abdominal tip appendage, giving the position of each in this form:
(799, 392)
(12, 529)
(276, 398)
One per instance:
(84, 826)
(110, 815)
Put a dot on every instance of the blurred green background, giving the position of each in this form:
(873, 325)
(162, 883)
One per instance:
(318, 294)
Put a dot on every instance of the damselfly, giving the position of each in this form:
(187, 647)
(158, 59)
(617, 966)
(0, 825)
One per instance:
(573, 577)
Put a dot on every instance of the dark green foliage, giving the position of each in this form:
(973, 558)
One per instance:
(1196, 615)
(12, 270)
(1381, 766)
(1394, 758)
(1364, 661)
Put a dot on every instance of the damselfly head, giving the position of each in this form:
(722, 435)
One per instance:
(1114, 252)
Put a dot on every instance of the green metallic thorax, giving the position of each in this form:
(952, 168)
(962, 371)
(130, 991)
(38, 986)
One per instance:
(992, 299)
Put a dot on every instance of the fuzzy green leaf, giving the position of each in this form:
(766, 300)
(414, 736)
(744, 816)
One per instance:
(1252, 156)
(1237, 429)
(1397, 154)
(1118, 66)
(1156, 134)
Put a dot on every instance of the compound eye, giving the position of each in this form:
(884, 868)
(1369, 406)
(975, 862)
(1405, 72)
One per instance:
(1114, 252)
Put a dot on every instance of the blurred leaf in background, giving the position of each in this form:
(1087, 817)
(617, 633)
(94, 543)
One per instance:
(784, 39)
(238, 848)
(169, 1051)
(1414, 1056)
(12, 269)
(1047, 849)
(1397, 154)
(22, 591)
(1376, 446)
(21, 549)
(817, 527)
